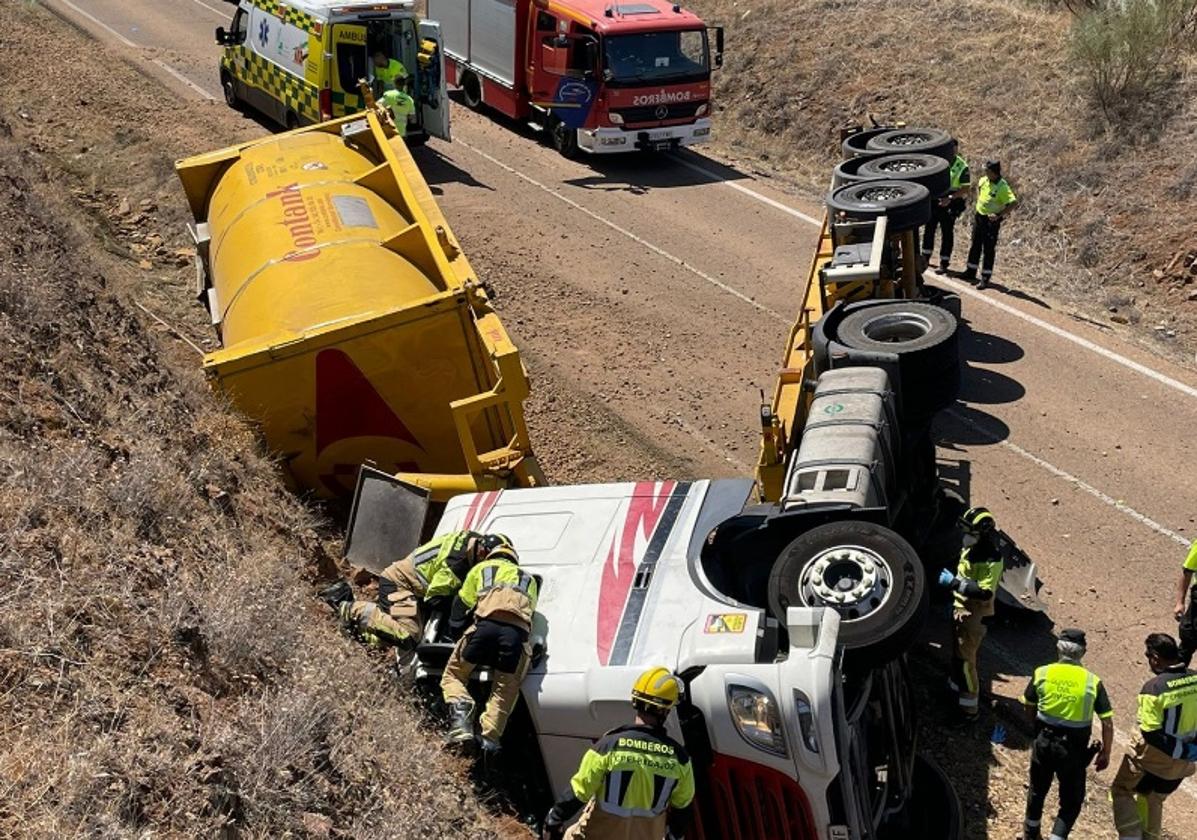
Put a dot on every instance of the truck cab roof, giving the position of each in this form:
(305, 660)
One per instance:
(614, 16)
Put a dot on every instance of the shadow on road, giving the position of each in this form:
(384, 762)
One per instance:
(438, 169)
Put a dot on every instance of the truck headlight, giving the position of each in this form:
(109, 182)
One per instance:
(703, 109)
(615, 117)
(757, 718)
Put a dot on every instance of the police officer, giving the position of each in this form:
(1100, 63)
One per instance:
(975, 586)
(994, 200)
(1062, 698)
(388, 70)
(1164, 753)
(1187, 618)
(401, 105)
(636, 783)
(502, 599)
(947, 209)
(432, 571)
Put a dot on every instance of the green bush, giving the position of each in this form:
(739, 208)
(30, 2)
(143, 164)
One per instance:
(1129, 52)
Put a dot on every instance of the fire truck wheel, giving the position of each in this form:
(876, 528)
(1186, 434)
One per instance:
(918, 168)
(471, 90)
(564, 138)
(847, 172)
(867, 573)
(930, 141)
(857, 144)
(923, 337)
(906, 205)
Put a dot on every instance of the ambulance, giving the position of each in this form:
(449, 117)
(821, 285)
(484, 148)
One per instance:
(300, 62)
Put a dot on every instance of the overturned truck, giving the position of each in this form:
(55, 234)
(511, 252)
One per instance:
(785, 603)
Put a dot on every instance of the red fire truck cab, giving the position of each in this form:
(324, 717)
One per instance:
(598, 75)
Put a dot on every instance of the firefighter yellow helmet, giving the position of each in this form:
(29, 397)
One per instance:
(504, 552)
(656, 689)
(978, 520)
(489, 542)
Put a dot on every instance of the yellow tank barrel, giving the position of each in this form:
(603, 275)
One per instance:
(353, 328)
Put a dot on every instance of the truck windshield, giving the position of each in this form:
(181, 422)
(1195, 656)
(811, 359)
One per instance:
(656, 57)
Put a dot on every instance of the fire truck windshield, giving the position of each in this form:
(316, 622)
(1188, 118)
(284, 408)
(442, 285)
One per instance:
(656, 57)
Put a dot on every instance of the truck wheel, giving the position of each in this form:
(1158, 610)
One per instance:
(291, 121)
(925, 340)
(930, 141)
(471, 90)
(230, 91)
(848, 171)
(917, 168)
(906, 205)
(564, 139)
(867, 573)
(857, 144)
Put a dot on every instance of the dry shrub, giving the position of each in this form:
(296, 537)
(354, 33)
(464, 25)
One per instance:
(164, 667)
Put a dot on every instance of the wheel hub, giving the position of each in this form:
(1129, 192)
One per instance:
(881, 193)
(897, 328)
(903, 165)
(852, 580)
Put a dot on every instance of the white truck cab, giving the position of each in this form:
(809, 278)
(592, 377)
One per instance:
(786, 741)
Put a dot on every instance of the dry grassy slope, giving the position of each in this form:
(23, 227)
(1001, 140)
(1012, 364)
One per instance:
(1100, 211)
(163, 666)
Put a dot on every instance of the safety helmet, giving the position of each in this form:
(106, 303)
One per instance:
(489, 542)
(504, 552)
(657, 689)
(978, 520)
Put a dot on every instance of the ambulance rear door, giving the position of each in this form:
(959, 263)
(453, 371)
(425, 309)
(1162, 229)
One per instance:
(433, 95)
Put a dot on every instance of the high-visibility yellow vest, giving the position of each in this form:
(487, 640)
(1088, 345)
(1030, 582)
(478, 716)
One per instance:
(636, 772)
(1065, 695)
(958, 170)
(394, 70)
(401, 106)
(993, 198)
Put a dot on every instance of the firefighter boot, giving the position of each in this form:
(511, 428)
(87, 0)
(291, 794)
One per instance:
(461, 720)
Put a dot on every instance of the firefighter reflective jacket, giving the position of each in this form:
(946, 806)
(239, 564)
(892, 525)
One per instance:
(1168, 711)
(501, 590)
(440, 563)
(959, 174)
(1066, 695)
(981, 563)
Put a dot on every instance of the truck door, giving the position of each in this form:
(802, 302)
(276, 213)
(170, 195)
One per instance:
(350, 63)
(433, 95)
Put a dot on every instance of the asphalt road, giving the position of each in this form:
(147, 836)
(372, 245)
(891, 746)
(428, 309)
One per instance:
(663, 287)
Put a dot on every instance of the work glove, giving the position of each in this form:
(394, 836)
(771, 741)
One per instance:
(1190, 752)
(946, 578)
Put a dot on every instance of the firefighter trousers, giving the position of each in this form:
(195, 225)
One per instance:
(968, 630)
(395, 617)
(505, 649)
(1062, 757)
(1148, 775)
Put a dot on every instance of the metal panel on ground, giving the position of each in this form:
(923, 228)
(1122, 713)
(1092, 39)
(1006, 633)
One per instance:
(386, 520)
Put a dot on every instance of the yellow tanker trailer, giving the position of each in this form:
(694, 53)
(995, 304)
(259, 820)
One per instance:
(353, 329)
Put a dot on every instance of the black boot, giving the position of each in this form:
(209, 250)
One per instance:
(336, 594)
(461, 722)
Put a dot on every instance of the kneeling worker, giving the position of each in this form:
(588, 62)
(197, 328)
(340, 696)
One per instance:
(433, 570)
(1063, 698)
(502, 598)
(636, 782)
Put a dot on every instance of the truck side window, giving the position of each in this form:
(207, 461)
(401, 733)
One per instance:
(545, 22)
(240, 26)
(581, 51)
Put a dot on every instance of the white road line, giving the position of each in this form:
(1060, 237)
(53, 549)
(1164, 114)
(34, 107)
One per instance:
(1060, 332)
(201, 91)
(776, 205)
(99, 23)
(221, 13)
(1080, 484)
(736, 293)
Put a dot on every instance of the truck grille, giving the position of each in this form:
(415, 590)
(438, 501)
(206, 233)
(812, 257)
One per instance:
(660, 113)
(748, 801)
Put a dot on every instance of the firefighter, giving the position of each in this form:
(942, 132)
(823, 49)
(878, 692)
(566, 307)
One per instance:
(636, 782)
(1187, 618)
(947, 209)
(994, 200)
(399, 102)
(388, 70)
(502, 600)
(975, 586)
(432, 571)
(1164, 753)
(1063, 698)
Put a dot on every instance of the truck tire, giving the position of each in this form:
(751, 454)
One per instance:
(857, 144)
(925, 339)
(867, 573)
(563, 138)
(848, 171)
(471, 90)
(917, 168)
(930, 141)
(905, 204)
